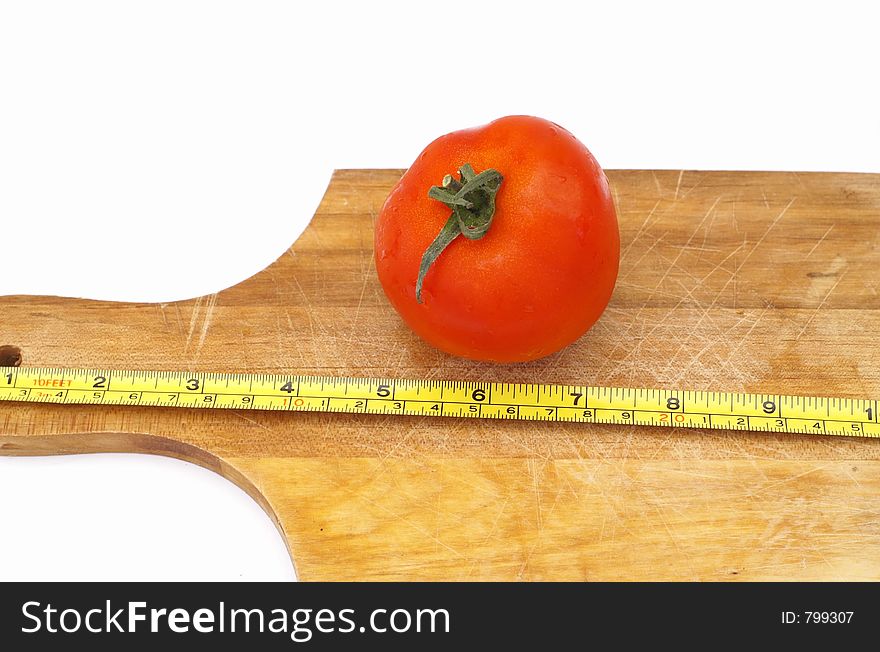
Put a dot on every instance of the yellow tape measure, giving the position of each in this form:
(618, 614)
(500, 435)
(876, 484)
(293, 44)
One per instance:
(537, 402)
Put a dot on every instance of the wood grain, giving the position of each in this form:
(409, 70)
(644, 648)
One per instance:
(763, 282)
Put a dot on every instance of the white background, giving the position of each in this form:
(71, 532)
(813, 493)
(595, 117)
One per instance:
(201, 135)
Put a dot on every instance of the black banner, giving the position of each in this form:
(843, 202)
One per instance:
(431, 616)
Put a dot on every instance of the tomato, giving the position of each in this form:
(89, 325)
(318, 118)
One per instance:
(514, 254)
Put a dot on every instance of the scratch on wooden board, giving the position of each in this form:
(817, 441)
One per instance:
(720, 336)
(648, 250)
(819, 307)
(617, 205)
(538, 541)
(367, 277)
(851, 476)
(403, 519)
(536, 489)
(493, 528)
(399, 448)
(193, 320)
(723, 261)
(792, 478)
(821, 240)
(309, 310)
(767, 232)
(681, 249)
(739, 264)
(246, 418)
(708, 230)
(672, 265)
(657, 291)
(694, 187)
(206, 322)
(640, 231)
(179, 318)
(678, 184)
(161, 307)
(658, 506)
(656, 182)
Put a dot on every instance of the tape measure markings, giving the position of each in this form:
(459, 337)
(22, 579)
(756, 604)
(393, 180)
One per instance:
(528, 401)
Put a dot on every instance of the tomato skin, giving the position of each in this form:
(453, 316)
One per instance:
(540, 277)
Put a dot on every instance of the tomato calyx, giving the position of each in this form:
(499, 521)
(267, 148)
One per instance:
(472, 201)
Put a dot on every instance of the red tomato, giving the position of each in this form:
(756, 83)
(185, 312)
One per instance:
(514, 285)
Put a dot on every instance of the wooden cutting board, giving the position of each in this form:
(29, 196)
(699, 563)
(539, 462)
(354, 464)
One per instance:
(742, 281)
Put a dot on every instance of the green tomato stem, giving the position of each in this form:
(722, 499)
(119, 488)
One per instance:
(472, 201)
